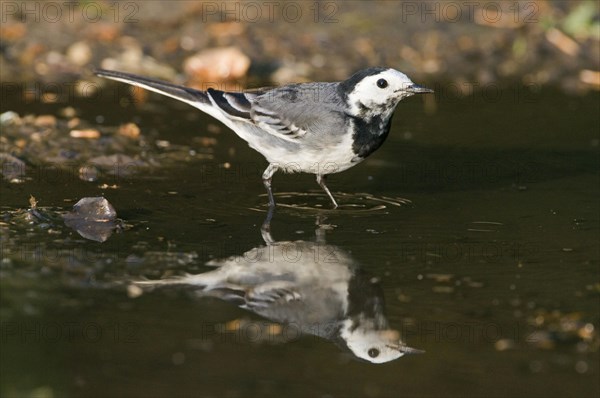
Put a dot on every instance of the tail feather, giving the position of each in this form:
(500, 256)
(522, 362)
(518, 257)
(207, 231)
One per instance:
(196, 98)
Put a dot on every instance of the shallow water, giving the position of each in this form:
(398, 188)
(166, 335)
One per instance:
(479, 219)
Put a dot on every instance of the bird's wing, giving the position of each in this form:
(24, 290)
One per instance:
(242, 107)
(271, 293)
(294, 111)
(289, 112)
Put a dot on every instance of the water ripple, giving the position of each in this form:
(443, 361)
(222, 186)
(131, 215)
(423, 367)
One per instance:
(359, 202)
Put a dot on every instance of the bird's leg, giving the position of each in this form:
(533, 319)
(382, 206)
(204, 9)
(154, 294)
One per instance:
(265, 232)
(321, 182)
(265, 229)
(320, 230)
(266, 177)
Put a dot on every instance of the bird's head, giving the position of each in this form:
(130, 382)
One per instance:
(376, 346)
(378, 91)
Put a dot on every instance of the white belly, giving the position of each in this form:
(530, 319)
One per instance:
(299, 157)
(333, 160)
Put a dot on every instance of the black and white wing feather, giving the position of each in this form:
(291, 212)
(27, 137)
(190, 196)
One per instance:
(289, 112)
(245, 107)
(236, 105)
(294, 111)
(276, 123)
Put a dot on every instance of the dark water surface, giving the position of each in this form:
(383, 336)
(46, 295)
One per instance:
(491, 268)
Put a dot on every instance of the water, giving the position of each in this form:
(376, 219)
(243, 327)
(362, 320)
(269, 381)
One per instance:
(479, 219)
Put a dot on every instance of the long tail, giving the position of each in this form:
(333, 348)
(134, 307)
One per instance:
(196, 98)
(208, 284)
(199, 280)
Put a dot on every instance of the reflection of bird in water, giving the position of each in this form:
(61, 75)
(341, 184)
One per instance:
(313, 286)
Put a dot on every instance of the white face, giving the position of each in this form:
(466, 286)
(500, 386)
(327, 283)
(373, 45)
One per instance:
(381, 91)
(376, 346)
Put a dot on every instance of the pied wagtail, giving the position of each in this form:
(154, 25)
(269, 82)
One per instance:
(313, 287)
(318, 128)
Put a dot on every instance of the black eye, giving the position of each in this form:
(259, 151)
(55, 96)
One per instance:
(382, 83)
(374, 352)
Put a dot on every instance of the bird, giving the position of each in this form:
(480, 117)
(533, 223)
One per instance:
(311, 287)
(320, 128)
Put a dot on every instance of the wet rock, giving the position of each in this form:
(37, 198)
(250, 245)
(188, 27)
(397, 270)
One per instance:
(93, 218)
(95, 209)
(12, 168)
(217, 65)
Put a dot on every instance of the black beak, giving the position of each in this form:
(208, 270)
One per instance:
(406, 350)
(416, 89)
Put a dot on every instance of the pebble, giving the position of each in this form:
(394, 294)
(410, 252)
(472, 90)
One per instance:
(130, 130)
(440, 277)
(79, 53)
(217, 65)
(88, 173)
(9, 117)
(68, 112)
(504, 344)
(443, 289)
(73, 123)
(87, 133)
(134, 291)
(45, 121)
